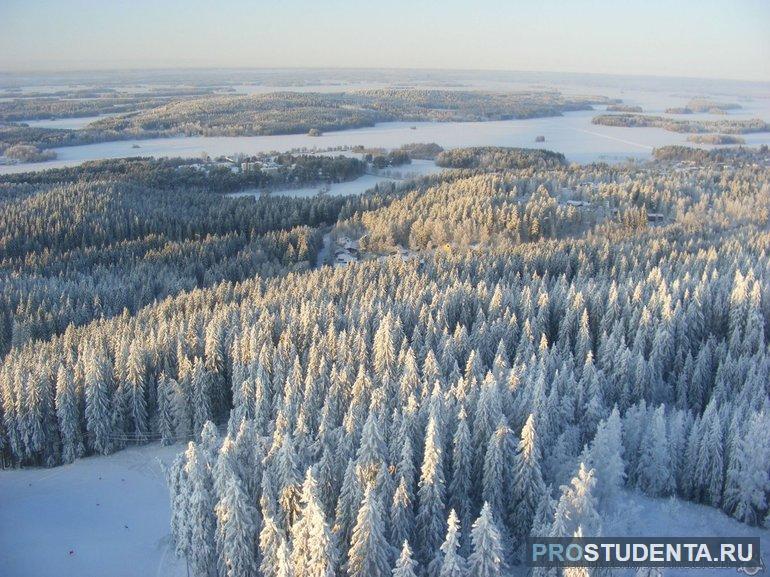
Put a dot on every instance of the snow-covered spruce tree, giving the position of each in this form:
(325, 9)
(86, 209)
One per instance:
(431, 496)
(136, 389)
(313, 552)
(166, 425)
(654, 470)
(541, 524)
(605, 457)
(202, 403)
(405, 565)
(237, 523)
(271, 539)
(179, 493)
(486, 558)
(98, 384)
(577, 507)
(401, 516)
(748, 479)
(282, 567)
(498, 470)
(200, 513)
(709, 461)
(485, 421)
(369, 554)
(286, 471)
(372, 451)
(68, 415)
(348, 504)
(451, 563)
(460, 486)
(528, 488)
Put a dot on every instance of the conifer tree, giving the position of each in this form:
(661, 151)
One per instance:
(68, 416)
(460, 486)
(749, 480)
(528, 488)
(452, 563)
(654, 471)
(486, 559)
(708, 474)
(369, 549)
(236, 520)
(98, 385)
(405, 565)
(606, 457)
(136, 385)
(166, 425)
(200, 511)
(430, 511)
(401, 515)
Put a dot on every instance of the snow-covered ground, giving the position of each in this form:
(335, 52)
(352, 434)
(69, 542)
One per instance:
(98, 517)
(639, 516)
(108, 517)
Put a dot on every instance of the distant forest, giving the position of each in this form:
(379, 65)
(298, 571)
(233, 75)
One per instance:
(686, 126)
(267, 114)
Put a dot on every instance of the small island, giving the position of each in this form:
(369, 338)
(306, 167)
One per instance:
(716, 139)
(683, 126)
(703, 106)
(624, 108)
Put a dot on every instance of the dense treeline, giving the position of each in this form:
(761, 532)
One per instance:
(429, 414)
(463, 212)
(183, 174)
(675, 125)
(23, 135)
(686, 153)
(499, 158)
(720, 139)
(76, 103)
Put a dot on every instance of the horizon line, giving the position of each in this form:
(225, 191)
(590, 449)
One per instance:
(44, 71)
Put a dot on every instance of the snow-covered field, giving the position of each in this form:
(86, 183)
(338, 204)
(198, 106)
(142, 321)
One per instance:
(640, 516)
(98, 517)
(108, 517)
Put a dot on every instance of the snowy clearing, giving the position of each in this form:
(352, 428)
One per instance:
(98, 517)
(639, 516)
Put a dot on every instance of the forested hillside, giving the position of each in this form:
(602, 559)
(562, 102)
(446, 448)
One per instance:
(91, 242)
(560, 332)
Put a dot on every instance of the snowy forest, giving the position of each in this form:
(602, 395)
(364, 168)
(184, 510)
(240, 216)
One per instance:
(551, 334)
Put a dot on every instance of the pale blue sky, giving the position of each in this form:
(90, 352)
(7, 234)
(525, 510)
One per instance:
(705, 38)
